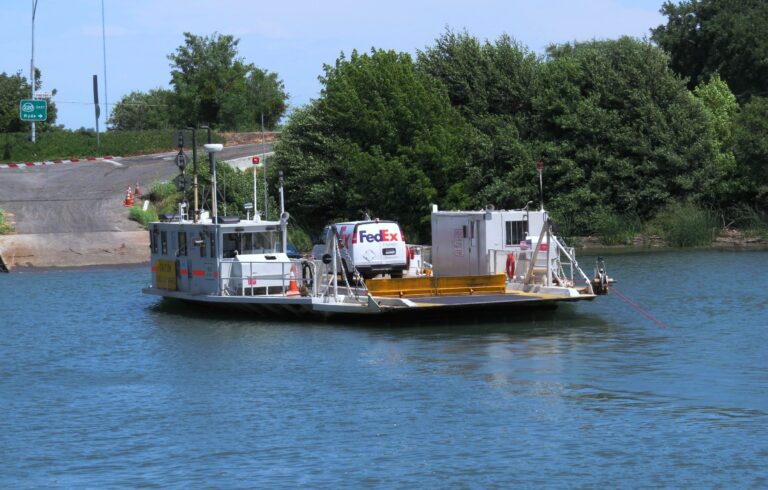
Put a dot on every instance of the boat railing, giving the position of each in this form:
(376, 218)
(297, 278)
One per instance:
(249, 278)
(547, 262)
(570, 254)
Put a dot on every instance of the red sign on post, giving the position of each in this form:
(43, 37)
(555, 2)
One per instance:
(539, 165)
(255, 160)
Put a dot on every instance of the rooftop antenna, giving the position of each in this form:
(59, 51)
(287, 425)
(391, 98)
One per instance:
(212, 149)
(283, 215)
(194, 171)
(181, 162)
(264, 157)
(540, 168)
(212, 160)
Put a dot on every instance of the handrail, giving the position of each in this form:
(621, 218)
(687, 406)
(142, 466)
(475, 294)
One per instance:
(572, 258)
(247, 274)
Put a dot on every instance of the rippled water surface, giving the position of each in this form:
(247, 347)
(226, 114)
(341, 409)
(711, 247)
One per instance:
(102, 386)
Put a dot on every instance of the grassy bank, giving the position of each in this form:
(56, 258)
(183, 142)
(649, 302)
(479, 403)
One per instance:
(679, 226)
(62, 144)
(163, 198)
(5, 227)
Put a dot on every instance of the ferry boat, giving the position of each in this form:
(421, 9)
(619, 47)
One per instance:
(477, 259)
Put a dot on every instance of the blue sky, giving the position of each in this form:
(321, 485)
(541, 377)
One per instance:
(293, 38)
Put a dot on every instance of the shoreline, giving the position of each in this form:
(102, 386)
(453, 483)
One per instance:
(71, 250)
(119, 249)
(726, 240)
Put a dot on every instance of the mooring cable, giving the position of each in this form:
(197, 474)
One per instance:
(638, 308)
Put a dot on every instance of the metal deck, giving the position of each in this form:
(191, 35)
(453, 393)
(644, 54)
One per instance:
(480, 299)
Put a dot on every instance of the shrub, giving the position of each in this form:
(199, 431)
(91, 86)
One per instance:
(136, 213)
(165, 197)
(685, 225)
(752, 222)
(55, 144)
(299, 238)
(616, 229)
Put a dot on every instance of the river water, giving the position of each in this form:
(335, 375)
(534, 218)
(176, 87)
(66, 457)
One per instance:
(101, 386)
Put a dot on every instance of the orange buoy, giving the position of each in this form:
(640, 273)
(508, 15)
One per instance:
(510, 267)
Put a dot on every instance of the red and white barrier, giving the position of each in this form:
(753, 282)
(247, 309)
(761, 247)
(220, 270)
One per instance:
(57, 162)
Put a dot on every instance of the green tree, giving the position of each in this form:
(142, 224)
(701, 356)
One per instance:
(212, 85)
(726, 183)
(265, 94)
(751, 146)
(142, 111)
(14, 88)
(729, 37)
(382, 138)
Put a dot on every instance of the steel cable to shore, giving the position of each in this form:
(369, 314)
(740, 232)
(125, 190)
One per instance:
(638, 307)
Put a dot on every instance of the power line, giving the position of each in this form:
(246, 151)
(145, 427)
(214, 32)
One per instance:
(113, 105)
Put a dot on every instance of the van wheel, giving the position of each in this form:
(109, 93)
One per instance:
(396, 275)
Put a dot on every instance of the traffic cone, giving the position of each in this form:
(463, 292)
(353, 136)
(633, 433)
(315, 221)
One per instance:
(128, 198)
(293, 287)
(137, 191)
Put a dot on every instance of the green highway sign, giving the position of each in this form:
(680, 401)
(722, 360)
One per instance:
(33, 110)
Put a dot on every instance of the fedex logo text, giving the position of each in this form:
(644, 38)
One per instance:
(381, 236)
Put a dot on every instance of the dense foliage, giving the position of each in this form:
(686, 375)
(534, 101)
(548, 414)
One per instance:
(14, 88)
(382, 139)
(704, 37)
(751, 148)
(621, 136)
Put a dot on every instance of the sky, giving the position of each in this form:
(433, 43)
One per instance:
(292, 38)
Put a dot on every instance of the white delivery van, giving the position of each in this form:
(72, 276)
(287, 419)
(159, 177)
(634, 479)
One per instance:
(372, 247)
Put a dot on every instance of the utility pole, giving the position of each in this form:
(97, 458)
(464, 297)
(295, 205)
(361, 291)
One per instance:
(32, 74)
(96, 108)
(540, 168)
(104, 51)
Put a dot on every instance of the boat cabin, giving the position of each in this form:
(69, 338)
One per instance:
(479, 242)
(232, 257)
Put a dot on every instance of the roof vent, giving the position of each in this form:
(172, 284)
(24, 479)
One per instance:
(227, 220)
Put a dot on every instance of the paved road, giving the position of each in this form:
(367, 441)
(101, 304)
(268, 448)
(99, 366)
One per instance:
(87, 197)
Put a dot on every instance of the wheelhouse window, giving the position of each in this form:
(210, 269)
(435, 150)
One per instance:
(515, 232)
(259, 242)
(154, 238)
(164, 242)
(182, 244)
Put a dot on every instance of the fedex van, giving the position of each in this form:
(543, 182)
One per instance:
(372, 247)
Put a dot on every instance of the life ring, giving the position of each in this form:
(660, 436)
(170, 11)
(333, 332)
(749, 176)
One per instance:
(510, 267)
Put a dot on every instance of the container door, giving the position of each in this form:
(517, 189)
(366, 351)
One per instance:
(472, 247)
(460, 248)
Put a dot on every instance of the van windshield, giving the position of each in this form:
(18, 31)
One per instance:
(259, 242)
